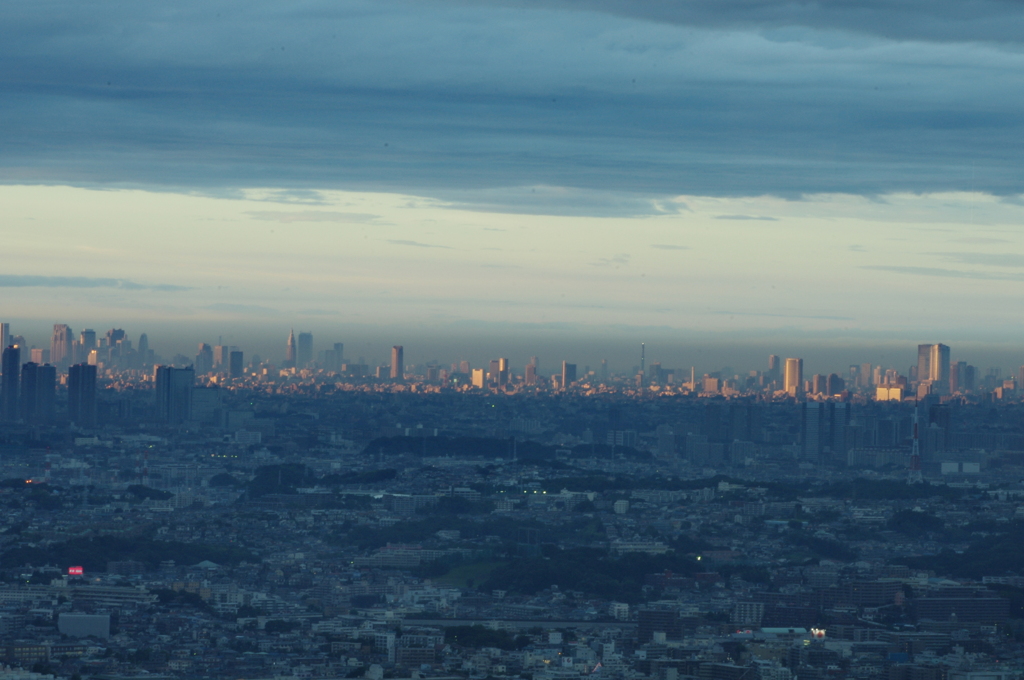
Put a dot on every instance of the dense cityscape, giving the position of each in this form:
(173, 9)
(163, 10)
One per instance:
(312, 516)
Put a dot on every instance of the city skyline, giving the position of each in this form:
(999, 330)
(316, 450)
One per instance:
(577, 165)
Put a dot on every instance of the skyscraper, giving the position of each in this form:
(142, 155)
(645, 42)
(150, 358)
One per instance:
(304, 351)
(938, 368)
(82, 395)
(5, 335)
(11, 361)
(143, 350)
(236, 364)
(289, 351)
(398, 363)
(774, 368)
(924, 354)
(85, 344)
(38, 391)
(794, 377)
(220, 357)
(174, 394)
(61, 346)
(204, 359)
(568, 374)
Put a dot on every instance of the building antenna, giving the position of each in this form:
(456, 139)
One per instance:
(643, 349)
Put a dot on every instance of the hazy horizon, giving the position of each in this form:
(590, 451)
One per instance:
(793, 180)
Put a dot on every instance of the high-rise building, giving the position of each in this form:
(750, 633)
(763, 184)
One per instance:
(61, 344)
(82, 395)
(834, 384)
(289, 351)
(236, 362)
(85, 344)
(143, 351)
(531, 374)
(864, 380)
(39, 356)
(334, 358)
(398, 363)
(204, 359)
(174, 393)
(304, 351)
(794, 377)
(479, 379)
(5, 335)
(774, 368)
(568, 374)
(938, 365)
(11, 361)
(220, 357)
(924, 355)
(38, 392)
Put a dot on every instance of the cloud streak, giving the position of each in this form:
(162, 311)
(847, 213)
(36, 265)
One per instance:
(25, 281)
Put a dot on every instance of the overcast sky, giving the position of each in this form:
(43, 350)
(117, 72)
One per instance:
(766, 172)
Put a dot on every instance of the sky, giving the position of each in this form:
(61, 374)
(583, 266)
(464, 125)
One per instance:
(568, 177)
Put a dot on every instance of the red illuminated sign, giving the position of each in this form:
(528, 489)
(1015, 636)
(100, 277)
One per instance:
(75, 571)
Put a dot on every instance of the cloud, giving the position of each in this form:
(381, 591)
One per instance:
(987, 259)
(560, 200)
(312, 216)
(932, 20)
(722, 312)
(628, 103)
(746, 217)
(620, 260)
(416, 244)
(23, 281)
(233, 308)
(980, 240)
(946, 273)
(668, 246)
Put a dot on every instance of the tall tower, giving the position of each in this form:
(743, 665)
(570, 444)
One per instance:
(38, 388)
(220, 357)
(174, 393)
(61, 346)
(398, 363)
(204, 359)
(5, 335)
(794, 377)
(568, 374)
(304, 351)
(82, 395)
(289, 352)
(938, 368)
(924, 355)
(236, 364)
(774, 368)
(9, 387)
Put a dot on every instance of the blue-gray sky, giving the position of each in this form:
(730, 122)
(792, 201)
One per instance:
(748, 167)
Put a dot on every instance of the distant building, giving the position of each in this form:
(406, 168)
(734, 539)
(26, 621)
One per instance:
(82, 395)
(9, 387)
(38, 392)
(60, 346)
(304, 351)
(568, 374)
(398, 363)
(174, 393)
(236, 364)
(290, 350)
(794, 377)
